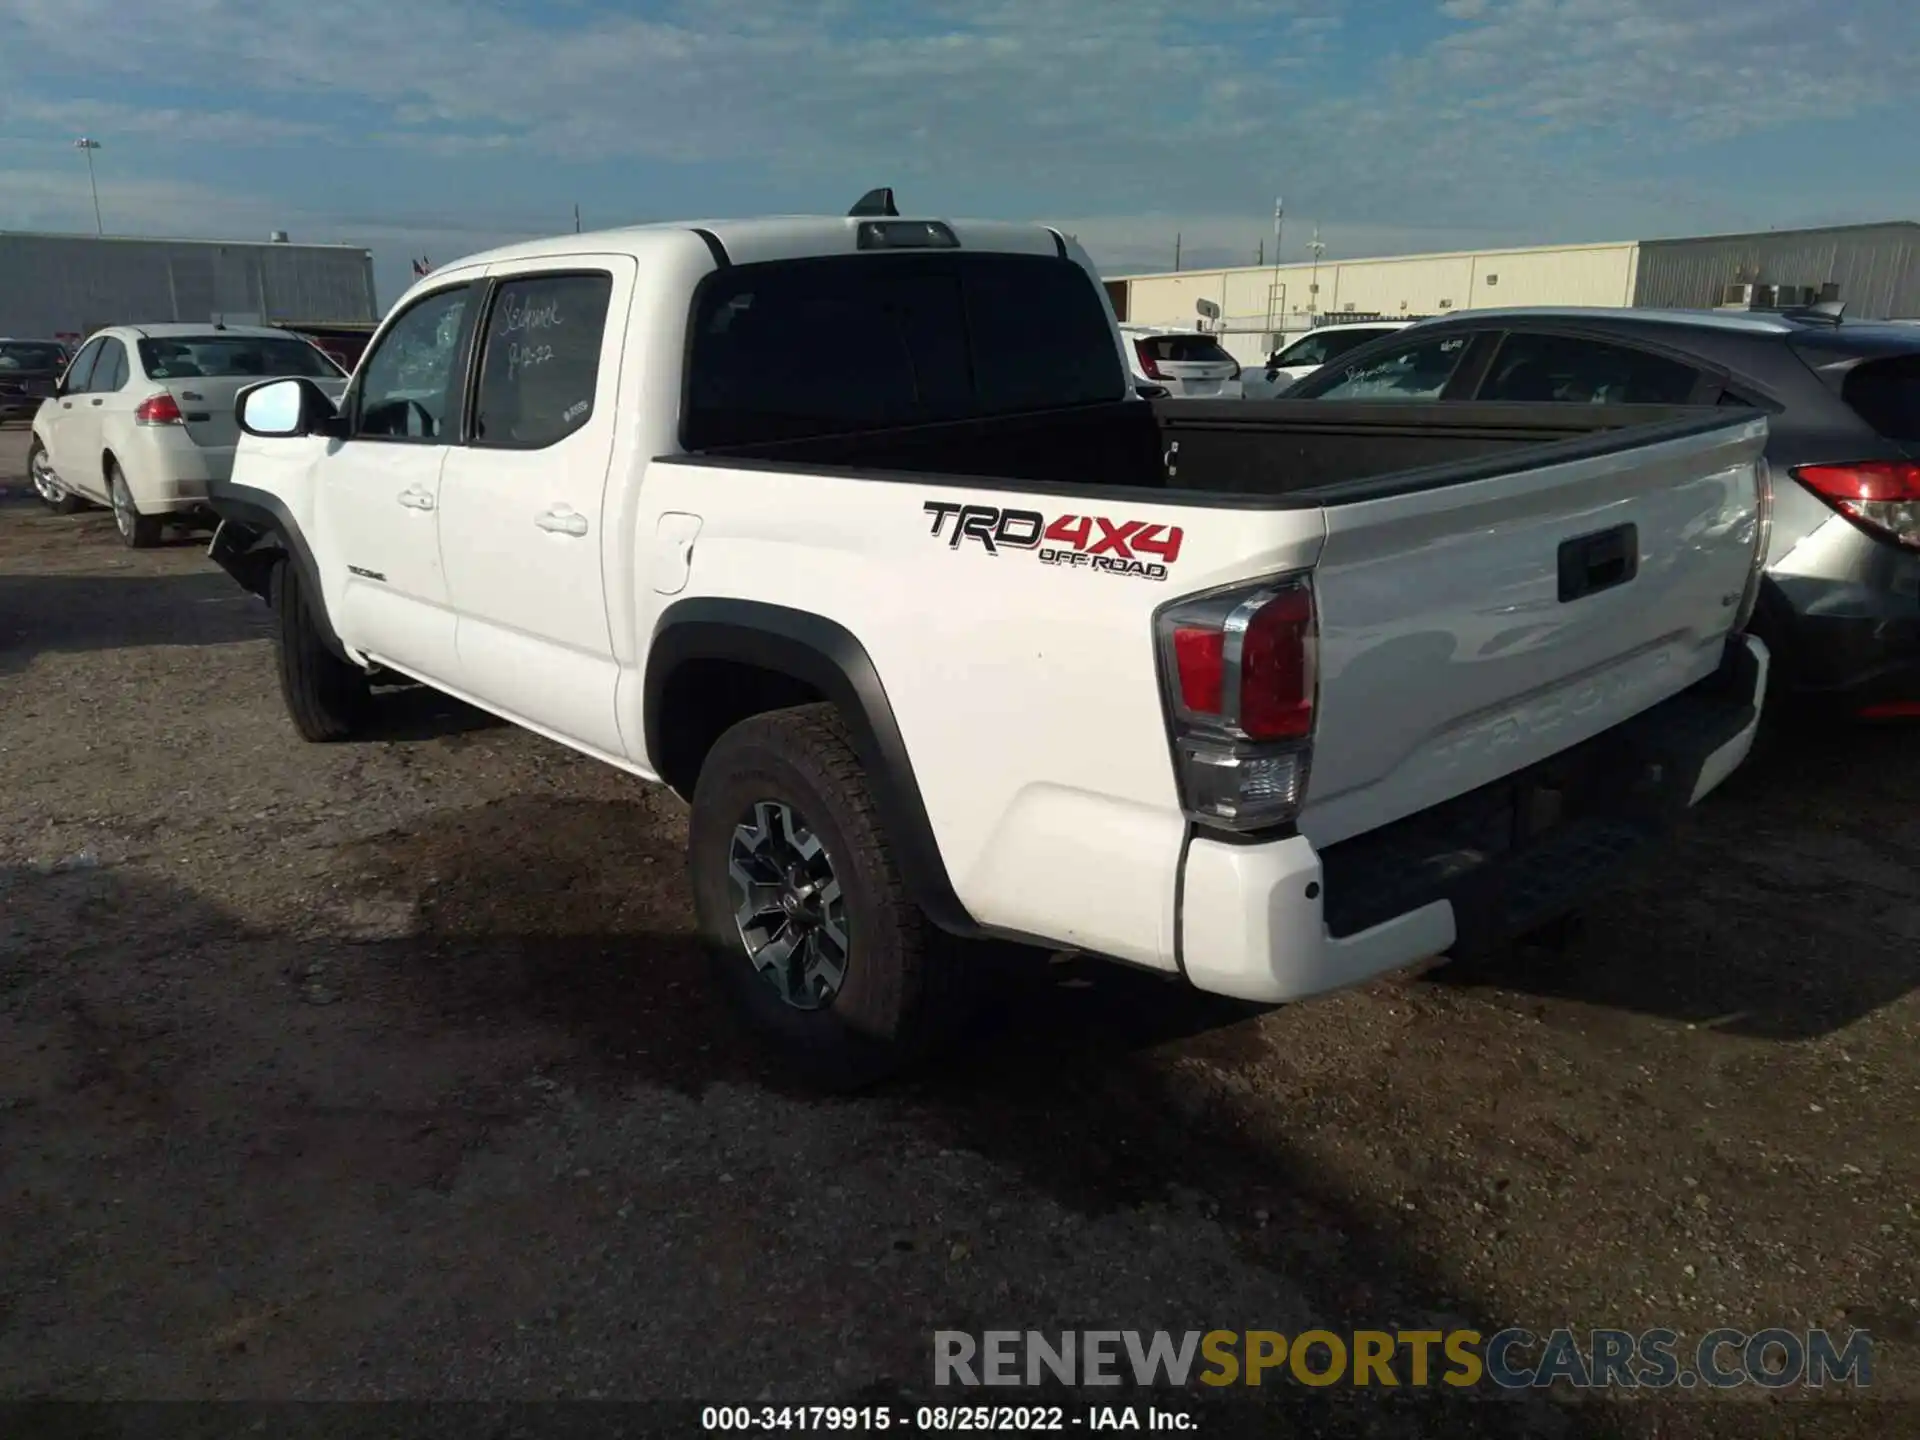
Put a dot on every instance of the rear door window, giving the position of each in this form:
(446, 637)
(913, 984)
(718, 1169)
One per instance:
(540, 368)
(110, 373)
(1886, 394)
(792, 349)
(1572, 369)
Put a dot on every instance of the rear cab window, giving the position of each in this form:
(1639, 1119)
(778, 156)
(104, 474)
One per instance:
(1886, 395)
(795, 349)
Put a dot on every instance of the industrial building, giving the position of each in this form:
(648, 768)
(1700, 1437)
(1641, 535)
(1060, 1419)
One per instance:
(67, 286)
(1875, 269)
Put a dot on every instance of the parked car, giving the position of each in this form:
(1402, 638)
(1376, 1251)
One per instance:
(29, 369)
(142, 420)
(1293, 363)
(1840, 607)
(1190, 364)
(940, 628)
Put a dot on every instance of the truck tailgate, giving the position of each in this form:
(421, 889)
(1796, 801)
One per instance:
(1469, 630)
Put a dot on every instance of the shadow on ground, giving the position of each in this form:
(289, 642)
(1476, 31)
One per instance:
(1822, 826)
(56, 614)
(448, 960)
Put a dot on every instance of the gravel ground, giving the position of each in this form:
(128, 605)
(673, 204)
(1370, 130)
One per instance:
(388, 1069)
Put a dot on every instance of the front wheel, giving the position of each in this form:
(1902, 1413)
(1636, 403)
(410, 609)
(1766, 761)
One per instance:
(326, 697)
(802, 906)
(55, 496)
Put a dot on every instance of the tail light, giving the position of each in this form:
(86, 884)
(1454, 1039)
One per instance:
(1238, 672)
(1762, 543)
(1880, 496)
(161, 409)
(1148, 367)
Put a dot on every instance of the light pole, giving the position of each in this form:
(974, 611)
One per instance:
(86, 147)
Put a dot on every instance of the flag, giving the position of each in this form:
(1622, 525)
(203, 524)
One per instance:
(421, 267)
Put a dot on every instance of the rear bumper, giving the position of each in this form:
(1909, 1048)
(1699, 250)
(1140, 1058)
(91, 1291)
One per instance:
(1842, 615)
(1281, 921)
(169, 474)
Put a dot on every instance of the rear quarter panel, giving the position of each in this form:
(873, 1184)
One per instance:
(1026, 692)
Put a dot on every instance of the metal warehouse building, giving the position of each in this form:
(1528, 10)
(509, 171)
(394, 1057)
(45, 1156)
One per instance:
(1875, 269)
(65, 286)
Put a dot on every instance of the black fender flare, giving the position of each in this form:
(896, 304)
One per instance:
(827, 658)
(256, 523)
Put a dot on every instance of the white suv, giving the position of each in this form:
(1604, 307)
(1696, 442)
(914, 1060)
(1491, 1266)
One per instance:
(1190, 365)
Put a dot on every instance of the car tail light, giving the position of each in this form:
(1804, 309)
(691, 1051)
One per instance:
(1762, 544)
(1238, 670)
(1880, 496)
(161, 409)
(1148, 367)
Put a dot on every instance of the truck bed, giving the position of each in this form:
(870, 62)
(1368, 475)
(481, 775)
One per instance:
(1303, 451)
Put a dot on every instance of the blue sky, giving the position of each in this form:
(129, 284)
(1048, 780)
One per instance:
(440, 127)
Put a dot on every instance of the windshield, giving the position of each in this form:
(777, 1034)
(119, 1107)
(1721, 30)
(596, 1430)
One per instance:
(211, 357)
(31, 355)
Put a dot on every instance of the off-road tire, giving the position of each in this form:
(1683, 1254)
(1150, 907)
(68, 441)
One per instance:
(326, 696)
(905, 989)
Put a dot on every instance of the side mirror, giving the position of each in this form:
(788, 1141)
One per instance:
(283, 409)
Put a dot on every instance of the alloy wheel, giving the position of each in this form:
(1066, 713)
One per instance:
(788, 905)
(45, 483)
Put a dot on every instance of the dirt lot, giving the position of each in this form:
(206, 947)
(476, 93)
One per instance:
(388, 1069)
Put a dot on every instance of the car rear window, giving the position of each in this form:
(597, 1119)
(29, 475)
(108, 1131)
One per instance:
(792, 349)
(1886, 394)
(231, 357)
(31, 355)
(1185, 349)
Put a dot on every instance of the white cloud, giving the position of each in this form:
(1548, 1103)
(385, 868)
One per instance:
(1525, 119)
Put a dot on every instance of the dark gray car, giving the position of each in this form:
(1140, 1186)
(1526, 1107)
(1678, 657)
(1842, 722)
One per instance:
(28, 370)
(1840, 607)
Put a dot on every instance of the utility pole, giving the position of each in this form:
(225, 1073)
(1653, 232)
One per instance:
(1260, 255)
(1176, 250)
(86, 147)
(576, 218)
(1273, 285)
(1313, 292)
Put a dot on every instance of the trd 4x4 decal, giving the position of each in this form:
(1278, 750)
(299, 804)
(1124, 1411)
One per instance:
(1139, 548)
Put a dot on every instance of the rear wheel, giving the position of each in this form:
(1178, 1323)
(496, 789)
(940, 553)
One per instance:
(137, 531)
(326, 696)
(55, 496)
(800, 901)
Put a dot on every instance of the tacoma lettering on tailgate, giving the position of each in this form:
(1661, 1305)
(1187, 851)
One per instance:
(1090, 542)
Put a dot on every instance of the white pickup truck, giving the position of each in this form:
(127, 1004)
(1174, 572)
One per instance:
(1272, 697)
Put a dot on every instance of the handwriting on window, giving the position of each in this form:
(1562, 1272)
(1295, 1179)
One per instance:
(527, 325)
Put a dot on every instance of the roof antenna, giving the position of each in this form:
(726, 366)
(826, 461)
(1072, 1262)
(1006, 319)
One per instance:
(875, 202)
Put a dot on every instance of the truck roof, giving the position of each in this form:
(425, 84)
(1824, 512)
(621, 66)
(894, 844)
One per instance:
(776, 237)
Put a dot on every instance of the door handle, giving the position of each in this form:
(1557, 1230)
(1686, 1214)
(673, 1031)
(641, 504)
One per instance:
(66, 404)
(561, 521)
(1592, 563)
(416, 499)
(96, 402)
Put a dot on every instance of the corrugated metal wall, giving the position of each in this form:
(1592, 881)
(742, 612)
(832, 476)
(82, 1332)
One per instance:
(74, 284)
(1876, 266)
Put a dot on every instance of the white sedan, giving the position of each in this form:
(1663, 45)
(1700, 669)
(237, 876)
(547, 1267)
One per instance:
(142, 419)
